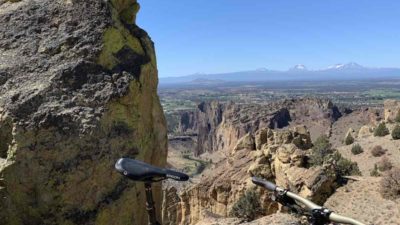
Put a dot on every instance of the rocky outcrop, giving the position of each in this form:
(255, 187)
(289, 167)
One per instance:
(281, 158)
(365, 131)
(78, 90)
(391, 110)
(246, 142)
(216, 192)
(220, 125)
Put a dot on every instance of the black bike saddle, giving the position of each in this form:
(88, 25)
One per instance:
(140, 171)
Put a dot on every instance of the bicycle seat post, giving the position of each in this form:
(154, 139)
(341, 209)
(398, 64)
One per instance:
(150, 204)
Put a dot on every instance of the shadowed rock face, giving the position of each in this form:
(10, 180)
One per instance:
(78, 83)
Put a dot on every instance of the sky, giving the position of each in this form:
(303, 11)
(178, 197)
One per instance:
(217, 36)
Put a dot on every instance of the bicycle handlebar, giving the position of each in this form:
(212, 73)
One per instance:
(266, 184)
(333, 217)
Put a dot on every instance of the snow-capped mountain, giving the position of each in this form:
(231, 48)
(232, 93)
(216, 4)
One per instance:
(349, 71)
(347, 66)
(298, 67)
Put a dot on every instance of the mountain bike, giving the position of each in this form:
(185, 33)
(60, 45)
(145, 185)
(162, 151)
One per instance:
(143, 172)
(317, 215)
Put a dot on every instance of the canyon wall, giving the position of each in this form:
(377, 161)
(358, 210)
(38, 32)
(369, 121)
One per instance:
(220, 125)
(78, 91)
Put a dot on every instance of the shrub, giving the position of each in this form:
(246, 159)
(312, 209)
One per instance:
(356, 149)
(381, 130)
(248, 207)
(390, 184)
(321, 148)
(396, 132)
(384, 164)
(397, 118)
(378, 151)
(375, 172)
(343, 166)
(349, 139)
(322, 152)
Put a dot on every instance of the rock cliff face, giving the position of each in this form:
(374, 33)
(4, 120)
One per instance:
(220, 125)
(277, 155)
(78, 90)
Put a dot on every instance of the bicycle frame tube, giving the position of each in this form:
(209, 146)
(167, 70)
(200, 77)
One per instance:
(151, 211)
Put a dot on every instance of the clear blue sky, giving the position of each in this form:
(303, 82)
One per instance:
(213, 36)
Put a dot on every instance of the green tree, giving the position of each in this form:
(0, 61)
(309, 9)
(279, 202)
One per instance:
(344, 167)
(349, 139)
(396, 132)
(248, 207)
(321, 148)
(381, 130)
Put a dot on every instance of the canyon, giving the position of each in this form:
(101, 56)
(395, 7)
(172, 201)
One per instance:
(274, 141)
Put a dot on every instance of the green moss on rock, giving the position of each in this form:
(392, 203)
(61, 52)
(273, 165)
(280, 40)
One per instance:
(114, 40)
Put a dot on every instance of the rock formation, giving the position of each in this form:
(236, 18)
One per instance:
(391, 109)
(281, 158)
(78, 90)
(220, 125)
(365, 131)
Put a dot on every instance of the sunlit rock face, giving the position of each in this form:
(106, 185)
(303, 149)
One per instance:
(391, 110)
(78, 83)
(219, 126)
(281, 158)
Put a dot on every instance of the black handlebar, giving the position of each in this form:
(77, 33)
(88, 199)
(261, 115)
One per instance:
(266, 184)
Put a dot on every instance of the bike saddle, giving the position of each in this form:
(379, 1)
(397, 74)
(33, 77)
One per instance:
(140, 171)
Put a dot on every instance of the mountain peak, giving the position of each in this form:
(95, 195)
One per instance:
(299, 67)
(351, 65)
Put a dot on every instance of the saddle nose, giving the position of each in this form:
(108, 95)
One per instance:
(140, 171)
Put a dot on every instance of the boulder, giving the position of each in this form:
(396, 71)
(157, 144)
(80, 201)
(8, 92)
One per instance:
(391, 109)
(285, 152)
(314, 183)
(261, 168)
(262, 136)
(301, 137)
(283, 137)
(246, 142)
(365, 131)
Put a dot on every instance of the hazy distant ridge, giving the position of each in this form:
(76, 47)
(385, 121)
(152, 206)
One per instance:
(350, 71)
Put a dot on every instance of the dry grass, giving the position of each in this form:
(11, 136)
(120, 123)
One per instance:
(384, 164)
(390, 184)
(378, 151)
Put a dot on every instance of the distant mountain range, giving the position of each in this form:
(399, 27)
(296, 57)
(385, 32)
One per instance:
(349, 71)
